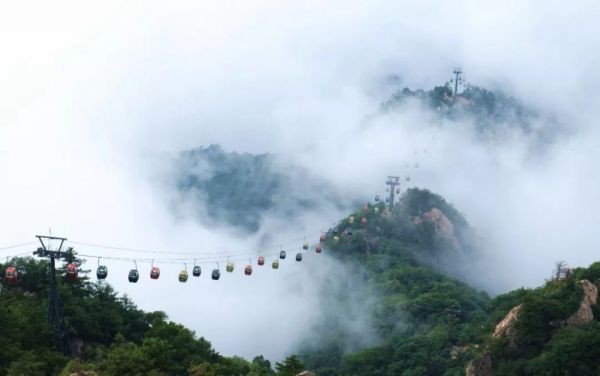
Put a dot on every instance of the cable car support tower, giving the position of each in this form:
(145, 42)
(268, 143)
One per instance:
(392, 181)
(56, 317)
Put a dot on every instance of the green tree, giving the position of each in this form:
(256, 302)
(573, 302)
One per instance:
(260, 367)
(290, 366)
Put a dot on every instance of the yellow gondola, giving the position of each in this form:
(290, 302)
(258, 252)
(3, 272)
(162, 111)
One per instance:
(305, 245)
(183, 276)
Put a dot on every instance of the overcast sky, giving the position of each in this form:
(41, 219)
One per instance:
(96, 98)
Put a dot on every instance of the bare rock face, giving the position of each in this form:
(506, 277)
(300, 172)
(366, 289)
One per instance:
(442, 224)
(585, 313)
(507, 325)
(481, 366)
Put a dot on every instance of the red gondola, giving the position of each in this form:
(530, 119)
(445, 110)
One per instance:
(11, 275)
(363, 221)
(318, 248)
(154, 272)
(261, 260)
(71, 273)
(366, 207)
(248, 269)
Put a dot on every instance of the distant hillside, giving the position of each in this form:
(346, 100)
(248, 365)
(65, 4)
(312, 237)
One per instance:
(489, 110)
(241, 189)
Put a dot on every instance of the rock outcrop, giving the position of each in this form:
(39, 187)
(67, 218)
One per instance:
(585, 313)
(305, 373)
(442, 225)
(507, 324)
(481, 366)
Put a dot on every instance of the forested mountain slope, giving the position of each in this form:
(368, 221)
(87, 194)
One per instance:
(425, 321)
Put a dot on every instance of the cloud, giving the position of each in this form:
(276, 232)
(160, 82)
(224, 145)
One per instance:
(95, 100)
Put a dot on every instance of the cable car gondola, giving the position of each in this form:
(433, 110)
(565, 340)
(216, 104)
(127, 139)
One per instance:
(376, 210)
(366, 208)
(336, 239)
(183, 276)
(351, 219)
(318, 248)
(298, 256)
(248, 269)
(323, 237)
(363, 221)
(376, 198)
(101, 271)
(305, 245)
(196, 271)
(229, 267)
(275, 264)
(134, 275)
(261, 260)
(71, 272)
(11, 275)
(154, 272)
(282, 255)
(216, 274)
(349, 232)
